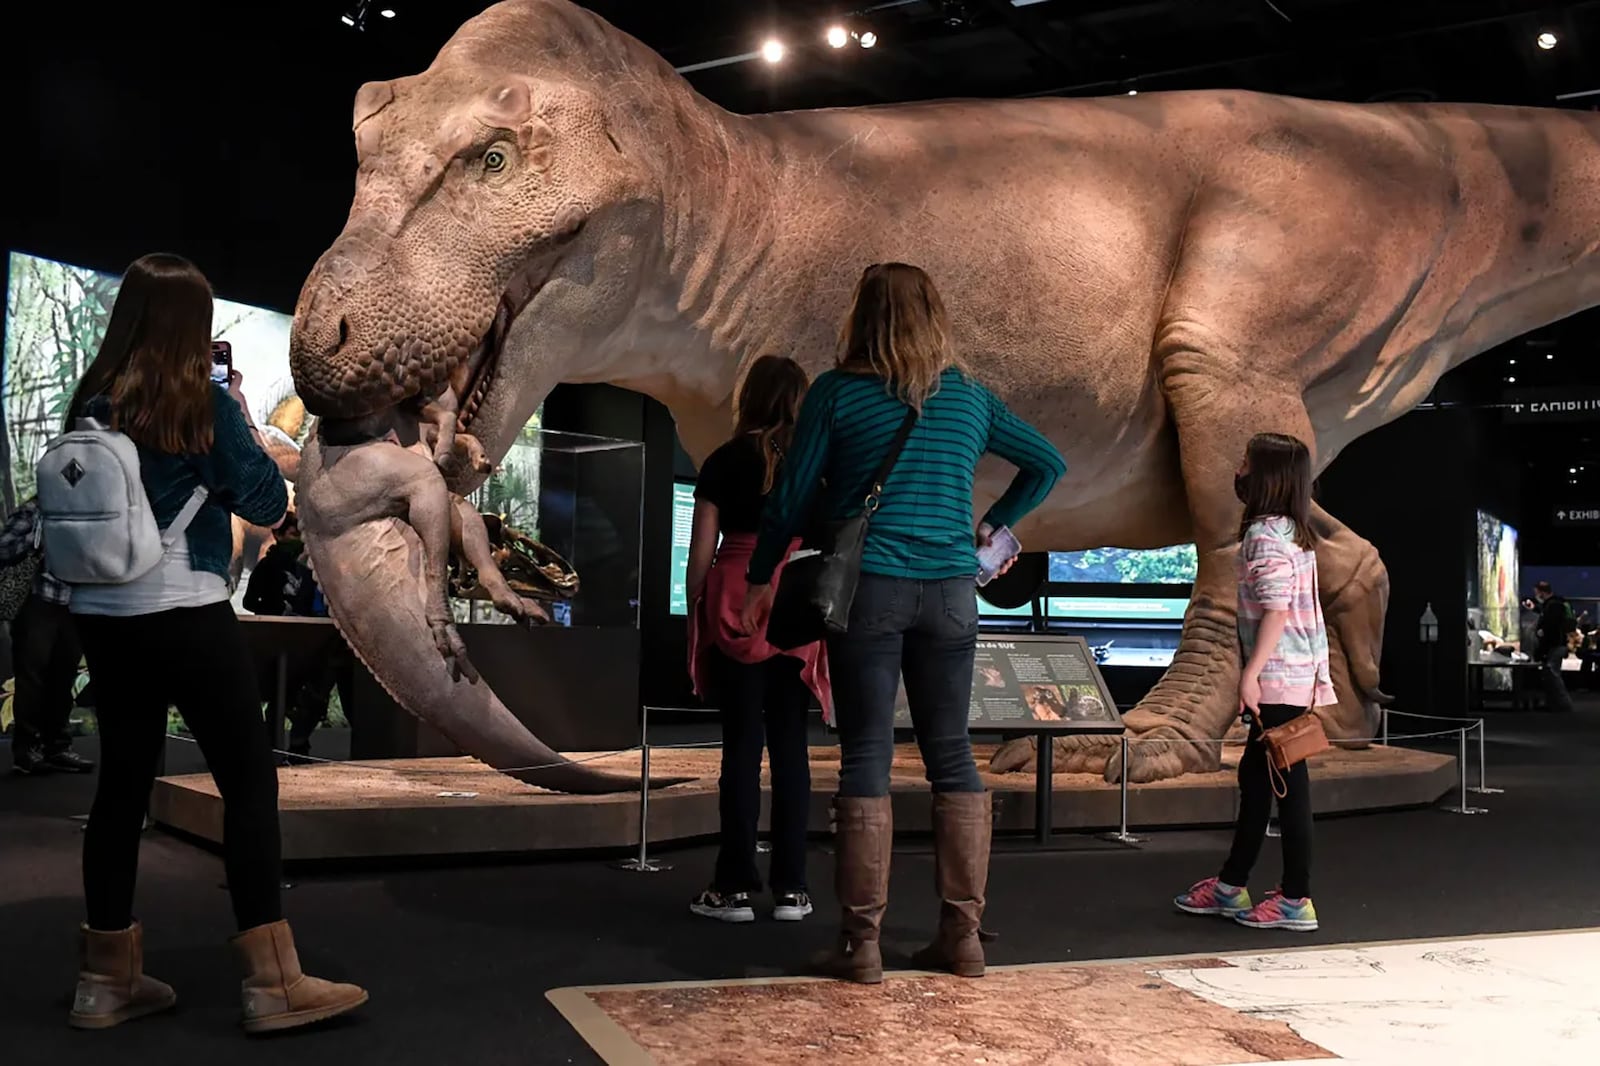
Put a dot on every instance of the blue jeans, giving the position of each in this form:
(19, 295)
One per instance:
(926, 631)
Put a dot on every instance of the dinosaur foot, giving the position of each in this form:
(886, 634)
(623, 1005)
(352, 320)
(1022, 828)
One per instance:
(1154, 754)
(523, 610)
(452, 649)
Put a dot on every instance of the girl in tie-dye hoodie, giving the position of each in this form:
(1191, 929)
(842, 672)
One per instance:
(1284, 646)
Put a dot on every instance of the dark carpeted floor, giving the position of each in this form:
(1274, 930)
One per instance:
(458, 959)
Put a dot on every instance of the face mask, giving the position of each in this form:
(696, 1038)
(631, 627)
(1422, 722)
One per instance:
(1239, 482)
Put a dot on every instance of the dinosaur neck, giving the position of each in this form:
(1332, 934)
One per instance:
(719, 213)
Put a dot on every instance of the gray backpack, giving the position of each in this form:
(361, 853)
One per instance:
(97, 523)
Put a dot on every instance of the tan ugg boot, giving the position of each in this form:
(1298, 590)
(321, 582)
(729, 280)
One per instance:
(276, 994)
(864, 837)
(962, 827)
(112, 986)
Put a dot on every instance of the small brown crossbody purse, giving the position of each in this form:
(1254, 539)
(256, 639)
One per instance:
(1294, 741)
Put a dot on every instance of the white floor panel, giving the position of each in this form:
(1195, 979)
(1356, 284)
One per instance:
(1509, 1001)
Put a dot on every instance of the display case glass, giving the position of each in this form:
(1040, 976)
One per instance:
(582, 497)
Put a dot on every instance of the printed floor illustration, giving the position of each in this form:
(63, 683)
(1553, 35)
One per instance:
(1527, 1000)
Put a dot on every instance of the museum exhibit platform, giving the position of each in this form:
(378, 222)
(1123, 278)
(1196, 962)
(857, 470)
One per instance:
(400, 808)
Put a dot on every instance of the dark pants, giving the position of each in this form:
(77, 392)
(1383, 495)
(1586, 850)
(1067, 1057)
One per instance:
(45, 656)
(1556, 696)
(927, 632)
(309, 694)
(196, 659)
(1255, 809)
(762, 701)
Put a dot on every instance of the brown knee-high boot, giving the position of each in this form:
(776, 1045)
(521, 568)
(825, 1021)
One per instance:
(864, 837)
(962, 827)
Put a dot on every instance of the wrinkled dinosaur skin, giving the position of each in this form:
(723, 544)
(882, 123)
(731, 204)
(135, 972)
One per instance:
(1151, 280)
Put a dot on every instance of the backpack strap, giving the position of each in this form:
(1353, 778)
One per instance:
(197, 500)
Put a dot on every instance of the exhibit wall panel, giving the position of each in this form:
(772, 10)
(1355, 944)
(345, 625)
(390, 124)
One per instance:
(1414, 489)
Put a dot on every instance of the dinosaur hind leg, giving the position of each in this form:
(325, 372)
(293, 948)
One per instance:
(1218, 403)
(1355, 597)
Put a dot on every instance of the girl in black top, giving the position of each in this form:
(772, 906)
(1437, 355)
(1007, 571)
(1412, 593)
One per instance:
(758, 689)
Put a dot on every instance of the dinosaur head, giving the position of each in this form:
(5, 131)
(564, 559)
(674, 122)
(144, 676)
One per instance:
(493, 236)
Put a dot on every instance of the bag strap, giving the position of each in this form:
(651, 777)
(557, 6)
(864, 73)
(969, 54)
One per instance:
(885, 468)
(197, 500)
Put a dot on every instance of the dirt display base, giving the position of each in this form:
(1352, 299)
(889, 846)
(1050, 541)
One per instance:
(458, 806)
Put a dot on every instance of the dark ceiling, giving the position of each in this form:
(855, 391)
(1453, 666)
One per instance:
(221, 129)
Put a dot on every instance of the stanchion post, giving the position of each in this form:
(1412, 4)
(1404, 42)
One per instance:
(1461, 764)
(1483, 788)
(1383, 713)
(1122, 836)
(642, 863)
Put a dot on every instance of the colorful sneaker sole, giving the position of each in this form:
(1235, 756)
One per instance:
(1213, 912)
(791, 914)
(735, 915)
(1294, 925)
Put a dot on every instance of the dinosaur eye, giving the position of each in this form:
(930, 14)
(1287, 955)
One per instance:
(494, 160)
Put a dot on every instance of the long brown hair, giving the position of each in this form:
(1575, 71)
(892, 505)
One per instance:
(1277, 481)
(767, 407)
(897, 329)
(154, 364)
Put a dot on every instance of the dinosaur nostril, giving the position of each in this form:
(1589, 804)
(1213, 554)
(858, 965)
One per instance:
(344, 331)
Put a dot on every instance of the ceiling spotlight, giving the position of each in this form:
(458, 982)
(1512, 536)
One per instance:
(1550, 355)
(356, 16)
(838, 36)
(1548, 40)
(869, 39)
(387, 12)
(1133, 92)
(1572, 470)
(348, 19)
(1513, 362)
(1511, 381)
(773, 51)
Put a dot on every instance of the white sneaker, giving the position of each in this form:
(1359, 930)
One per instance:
(791, 907)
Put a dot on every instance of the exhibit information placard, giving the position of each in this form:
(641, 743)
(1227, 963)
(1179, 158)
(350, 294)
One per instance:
(1033, 684)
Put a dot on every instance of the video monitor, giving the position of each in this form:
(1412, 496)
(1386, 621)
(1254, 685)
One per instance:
(1177, 565)
(682, 526)
(1493, 586)
(56, 316)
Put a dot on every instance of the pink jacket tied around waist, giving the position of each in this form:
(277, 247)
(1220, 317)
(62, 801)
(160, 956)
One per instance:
(714, 624)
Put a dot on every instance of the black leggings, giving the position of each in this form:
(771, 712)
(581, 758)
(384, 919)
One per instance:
(759, 702)
(1255, 809)
(194, 658)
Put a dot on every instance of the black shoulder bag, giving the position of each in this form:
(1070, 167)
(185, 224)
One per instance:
(816, 590)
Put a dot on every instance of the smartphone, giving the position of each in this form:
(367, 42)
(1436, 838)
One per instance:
(221, 362)
(1003, 546)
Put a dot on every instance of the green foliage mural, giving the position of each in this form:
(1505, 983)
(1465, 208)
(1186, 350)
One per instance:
(1122, 566)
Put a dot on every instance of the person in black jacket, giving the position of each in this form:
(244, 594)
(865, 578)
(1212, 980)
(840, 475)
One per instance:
(281, 584)
(1556, 623)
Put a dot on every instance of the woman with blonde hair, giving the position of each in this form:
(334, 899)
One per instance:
(760, 692)
(915, 612)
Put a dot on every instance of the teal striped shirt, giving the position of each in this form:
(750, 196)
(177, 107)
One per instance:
(923, 527)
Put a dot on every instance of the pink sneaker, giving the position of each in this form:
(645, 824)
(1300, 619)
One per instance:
(1211, 896)
(1278, 911)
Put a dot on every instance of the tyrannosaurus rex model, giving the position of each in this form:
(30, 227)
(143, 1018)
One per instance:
(1149, 279)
